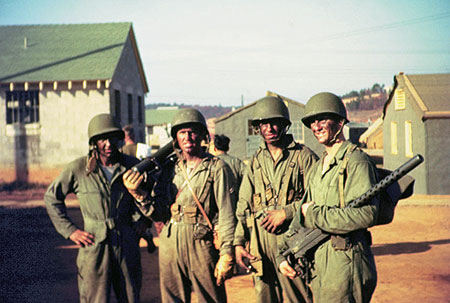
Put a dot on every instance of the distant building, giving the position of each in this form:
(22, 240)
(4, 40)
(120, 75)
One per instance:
(372, 138)
(352, 131)
(417, 121)
(53, 80)
(159, 124)
(244, 141)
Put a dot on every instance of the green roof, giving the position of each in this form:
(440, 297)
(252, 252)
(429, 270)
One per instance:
(160, 116)
(61, 52)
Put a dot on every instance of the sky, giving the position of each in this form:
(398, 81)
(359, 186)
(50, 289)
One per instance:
(230, 52)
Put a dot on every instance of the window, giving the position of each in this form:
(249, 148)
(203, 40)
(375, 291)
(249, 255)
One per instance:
(250, 129)
(399, 99)
(22, 107)
(117, 105)
(408, 139)
(130, 108)
(298, 131)
(394, 146)
(140, 107)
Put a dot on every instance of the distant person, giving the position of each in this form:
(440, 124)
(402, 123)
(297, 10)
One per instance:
(133, 148)
(109, 254)
(221, 147)
(130, 148)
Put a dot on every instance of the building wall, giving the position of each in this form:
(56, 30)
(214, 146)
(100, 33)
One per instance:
(36, 152)
(127, 80)
(419, 146)
(236, 128)
(437, 162)
(375, 141)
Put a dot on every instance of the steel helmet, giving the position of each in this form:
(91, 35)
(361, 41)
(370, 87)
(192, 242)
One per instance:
(187, 116)
(324, 103)
(270, 108)
(103, 124)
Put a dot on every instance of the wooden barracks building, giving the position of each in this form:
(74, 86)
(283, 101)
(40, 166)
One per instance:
(53, 80)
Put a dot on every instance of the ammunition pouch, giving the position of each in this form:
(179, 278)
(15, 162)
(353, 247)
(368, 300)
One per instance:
(347, 241)
(188, 215)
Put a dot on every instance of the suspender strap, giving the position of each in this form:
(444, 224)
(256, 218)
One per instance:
(287, 177)
(342, 175)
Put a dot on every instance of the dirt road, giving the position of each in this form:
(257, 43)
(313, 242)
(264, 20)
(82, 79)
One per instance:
(412, 255)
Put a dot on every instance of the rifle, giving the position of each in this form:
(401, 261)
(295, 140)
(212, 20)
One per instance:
(302, 243)
(153, 164)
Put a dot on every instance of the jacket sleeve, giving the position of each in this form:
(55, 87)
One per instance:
(307, 160)
(243, 209)
(54, 199)
(293, 227)
(156, 205)
(361, 176)
(222, 185)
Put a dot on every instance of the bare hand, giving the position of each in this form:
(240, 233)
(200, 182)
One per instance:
(132, 180)
(224, 269)
(82, 238)
(273, 219)
(241, 254)
(287, 270)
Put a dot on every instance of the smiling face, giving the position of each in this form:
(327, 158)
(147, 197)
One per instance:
(189, 139)
(272, 130)
(325, 128)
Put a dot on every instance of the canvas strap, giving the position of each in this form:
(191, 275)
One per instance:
(197, 201)
(342, 175)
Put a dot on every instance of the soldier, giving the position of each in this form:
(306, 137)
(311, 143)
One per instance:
(344, 267)
(190, 196)
(221, 147)
(268, 200)
(109, 251)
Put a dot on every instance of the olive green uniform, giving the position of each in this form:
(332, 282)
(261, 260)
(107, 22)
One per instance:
(257, 195)
(237, 166)
(349, 274)
(187, 256)
(108, 211)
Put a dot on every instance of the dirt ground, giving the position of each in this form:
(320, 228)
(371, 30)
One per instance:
(38, 265)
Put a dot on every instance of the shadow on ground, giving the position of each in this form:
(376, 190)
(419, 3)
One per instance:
(38, 265)
(405, 247)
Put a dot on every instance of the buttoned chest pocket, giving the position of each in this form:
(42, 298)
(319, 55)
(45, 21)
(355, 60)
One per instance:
(331, 191)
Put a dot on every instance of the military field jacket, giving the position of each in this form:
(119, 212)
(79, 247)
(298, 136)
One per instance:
(103, 205)
(323, 190)
(275, 172)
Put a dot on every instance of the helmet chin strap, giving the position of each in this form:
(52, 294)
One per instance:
(280, 135)
(336, 135)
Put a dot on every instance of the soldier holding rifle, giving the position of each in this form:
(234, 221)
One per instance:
(344, 268)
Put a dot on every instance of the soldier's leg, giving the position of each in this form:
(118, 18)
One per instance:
(172, 273)
(203, 258)
(266, 289)
(294, 290)
(93, 278)
(126, 270)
